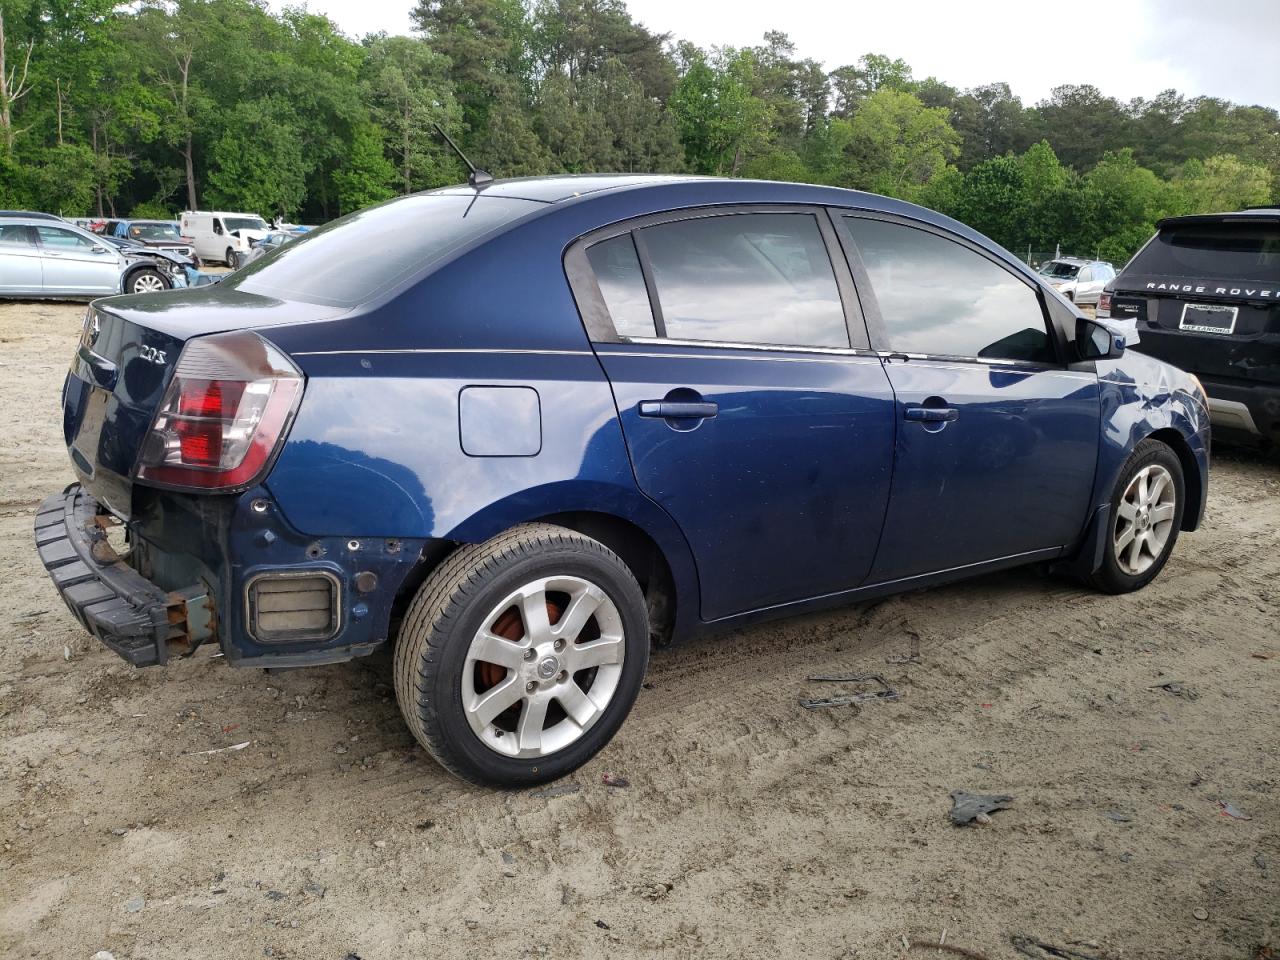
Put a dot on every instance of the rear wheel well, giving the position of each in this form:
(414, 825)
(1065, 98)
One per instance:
(636, 548)
(1191, 480)
(640, 553)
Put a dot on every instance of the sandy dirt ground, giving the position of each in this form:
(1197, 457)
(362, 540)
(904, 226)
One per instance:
(751, 827)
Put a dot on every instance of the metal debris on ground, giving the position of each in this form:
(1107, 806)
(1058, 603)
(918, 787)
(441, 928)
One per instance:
(885, 692)
(947, 948)
(561, 790)
(1227, 809)
(1177, 688)
(1118, 816)
(967, 807)
(234, 746)
(1039, 950)
(613, 780)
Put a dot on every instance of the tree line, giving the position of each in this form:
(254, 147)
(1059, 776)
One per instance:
(154, 106)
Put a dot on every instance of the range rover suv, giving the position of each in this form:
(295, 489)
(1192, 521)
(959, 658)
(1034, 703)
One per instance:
(1205, 295)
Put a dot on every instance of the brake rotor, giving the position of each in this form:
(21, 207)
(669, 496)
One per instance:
(509, 626)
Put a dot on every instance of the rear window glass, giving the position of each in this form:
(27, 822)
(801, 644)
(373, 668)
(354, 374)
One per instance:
(363, 255)
(1245, 252)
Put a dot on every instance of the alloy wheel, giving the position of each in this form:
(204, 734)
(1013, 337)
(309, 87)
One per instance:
(543, 667)
(148, 283)
(1144, 519)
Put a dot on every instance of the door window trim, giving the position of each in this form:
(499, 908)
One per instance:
(875, 317)
(599, 323)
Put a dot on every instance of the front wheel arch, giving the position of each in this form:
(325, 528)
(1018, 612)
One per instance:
(1193, 482)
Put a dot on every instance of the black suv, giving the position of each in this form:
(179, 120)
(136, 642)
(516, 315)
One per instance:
(1205, 292)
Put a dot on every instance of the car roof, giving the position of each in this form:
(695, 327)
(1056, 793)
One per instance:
(1251, 215)
(28, 215)
(565, 186)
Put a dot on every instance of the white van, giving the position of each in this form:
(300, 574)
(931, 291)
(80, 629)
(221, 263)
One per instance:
(220, 237)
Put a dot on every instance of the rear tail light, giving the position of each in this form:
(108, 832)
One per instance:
(223, 416)
(1104, 305)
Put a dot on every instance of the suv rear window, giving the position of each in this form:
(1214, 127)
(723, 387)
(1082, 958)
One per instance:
(1244, 252)
(364, 254)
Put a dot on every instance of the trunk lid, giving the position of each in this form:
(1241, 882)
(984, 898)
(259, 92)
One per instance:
(123, 363)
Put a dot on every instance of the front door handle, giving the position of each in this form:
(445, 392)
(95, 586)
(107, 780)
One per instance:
(679, 409)
(931, 414)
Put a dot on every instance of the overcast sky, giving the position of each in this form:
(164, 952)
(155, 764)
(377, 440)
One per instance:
(1128, 48)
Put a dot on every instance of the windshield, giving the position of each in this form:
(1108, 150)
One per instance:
(1228, 252)
(1059, 270)
(365, 254)
(154, 231)
(244, 223)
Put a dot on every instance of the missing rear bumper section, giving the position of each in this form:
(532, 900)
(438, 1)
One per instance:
(128, 613)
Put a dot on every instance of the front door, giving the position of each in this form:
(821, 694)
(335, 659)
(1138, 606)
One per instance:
(74, 264)
(997, 438)
(747, 412)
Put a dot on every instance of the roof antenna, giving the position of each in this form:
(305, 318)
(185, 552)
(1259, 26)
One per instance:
(477, 177)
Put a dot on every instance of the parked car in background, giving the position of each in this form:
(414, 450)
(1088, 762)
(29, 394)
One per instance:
(160, 234)
(169, 265)
(29, 214)
(274, 239)
(1080, 281)
(523, 432)
(39, 258)
(1204, 293)
(222, 237)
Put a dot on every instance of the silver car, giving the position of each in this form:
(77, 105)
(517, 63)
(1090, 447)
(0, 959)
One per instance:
(52, 258)
(1080, 281)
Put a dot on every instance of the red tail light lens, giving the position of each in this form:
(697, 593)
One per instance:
(1104, 305)
(224, 414)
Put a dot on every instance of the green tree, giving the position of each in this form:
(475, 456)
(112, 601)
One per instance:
(1223, 183)
(719, 117)
(896, 144)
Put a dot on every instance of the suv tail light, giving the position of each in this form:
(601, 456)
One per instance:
(1104, 305)
(223, 416)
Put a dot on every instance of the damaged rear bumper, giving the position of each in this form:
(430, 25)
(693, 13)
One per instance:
(131, 615)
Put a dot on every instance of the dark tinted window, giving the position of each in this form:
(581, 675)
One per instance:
(15, 235)
(365, 254)
(1244, 252)
(938, 297)
(746, 278)
(617, 270)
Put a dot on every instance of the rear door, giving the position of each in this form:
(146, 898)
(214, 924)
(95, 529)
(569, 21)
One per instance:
(997, 438)
(73, 263)
(752, 408)
(19, 261)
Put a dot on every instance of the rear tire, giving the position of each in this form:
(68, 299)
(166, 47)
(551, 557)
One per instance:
(1145, 517)
(486, 683)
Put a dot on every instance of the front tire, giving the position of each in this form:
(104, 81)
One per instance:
(519, 658)
(1146, 515)
(148, 281)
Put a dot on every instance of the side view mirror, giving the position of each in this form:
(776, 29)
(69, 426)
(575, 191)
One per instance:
(1100, 340)
(100, 250)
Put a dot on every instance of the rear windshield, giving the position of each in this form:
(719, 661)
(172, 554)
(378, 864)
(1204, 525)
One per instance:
(1059, 270)
(1244, 252)
(364, 254)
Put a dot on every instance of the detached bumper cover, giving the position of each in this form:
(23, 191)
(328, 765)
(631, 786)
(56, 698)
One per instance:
(130, 614)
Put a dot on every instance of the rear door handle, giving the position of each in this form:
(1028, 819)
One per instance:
(931, 414)
(679, 409)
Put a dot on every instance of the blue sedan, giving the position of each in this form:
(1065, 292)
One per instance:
(525, 431)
